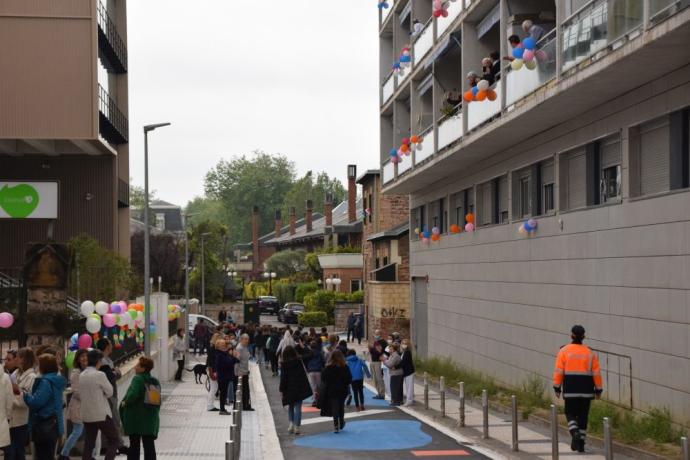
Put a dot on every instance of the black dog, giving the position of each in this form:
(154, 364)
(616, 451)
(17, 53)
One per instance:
(199, 372)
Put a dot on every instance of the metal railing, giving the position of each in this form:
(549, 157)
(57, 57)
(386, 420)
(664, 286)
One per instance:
(108, 109)
(523, 82)
(109, 30)
(122, 194)
(234, 444)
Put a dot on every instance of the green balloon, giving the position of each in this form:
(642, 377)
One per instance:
(69, 359)
(133, 314)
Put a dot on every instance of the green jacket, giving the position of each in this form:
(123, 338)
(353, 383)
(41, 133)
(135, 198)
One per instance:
(137, 417)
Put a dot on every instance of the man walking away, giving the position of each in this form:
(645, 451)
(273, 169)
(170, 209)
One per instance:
(577, 377)
(243, 370)
(200, 334)
(351, 326)
(113, 374)
(375, 352)
(95, 390)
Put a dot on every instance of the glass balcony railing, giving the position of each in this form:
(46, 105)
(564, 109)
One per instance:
(454, 9)
(424, 42)
(661, 9)
(404, 165)
(387, 172)
(113, 124)
(386, 11)
(388, 88)
(427, 146)
(479, 112)
(402, 76)
(520, 83)
(450, 129)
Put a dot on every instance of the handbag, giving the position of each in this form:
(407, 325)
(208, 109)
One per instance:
(44, 430)
(152, 394)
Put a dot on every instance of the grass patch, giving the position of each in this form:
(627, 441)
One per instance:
(475, 382)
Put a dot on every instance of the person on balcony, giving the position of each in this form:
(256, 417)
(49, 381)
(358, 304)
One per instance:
(472, 78)
(514, 42)
(534, 31)
(417, 28)
(487, 73)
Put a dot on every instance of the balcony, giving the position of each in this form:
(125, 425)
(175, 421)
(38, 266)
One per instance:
(454, 10)
(428, 148)
(520, 83)
(122, 194)
(387, 172)
(480, 112)
(113, 48)
(387, 11)
(113, 125)
(450, 129)
(424, 43)
(405, 165)
(388, 88)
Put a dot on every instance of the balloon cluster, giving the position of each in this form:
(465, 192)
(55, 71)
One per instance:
(526, 54)
(403, 62)
(433, 235)
(440, 8)
(383, 5)
(174, 312)
(407, 146)
(117, 317)
(469, 226)
(6, 320)
(528, 227)
(480, 92)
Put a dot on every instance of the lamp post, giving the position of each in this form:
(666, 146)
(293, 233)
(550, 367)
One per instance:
(147, 267)
(203, 275)
(233, 274)
(335, 282)
(270, 277)
(186, 260)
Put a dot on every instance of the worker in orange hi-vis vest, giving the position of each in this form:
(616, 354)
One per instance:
(576, 375)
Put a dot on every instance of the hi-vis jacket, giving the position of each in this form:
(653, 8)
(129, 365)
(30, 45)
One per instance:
(577, 372)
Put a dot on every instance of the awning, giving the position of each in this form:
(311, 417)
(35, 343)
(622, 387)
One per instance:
(385, 273)
(446, 45)
(426, 84)
(395, 232)
(489, 21)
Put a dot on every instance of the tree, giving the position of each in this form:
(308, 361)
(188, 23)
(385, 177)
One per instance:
(98, 273)
(241, 183)
(166, 261)
(215, 251)
(136, 195)
(202, 209)
(306, 188)
(286, 263)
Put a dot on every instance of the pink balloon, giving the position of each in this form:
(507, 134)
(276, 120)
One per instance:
(425, 240)
(85, 341)
(541, 55)
(528, 56)
(109, 319)
(469, 227)
(6, 319)
(437, 13)
(437, 4)
(444, 13)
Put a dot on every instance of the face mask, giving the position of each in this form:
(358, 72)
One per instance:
(404, 347)
(377, 337)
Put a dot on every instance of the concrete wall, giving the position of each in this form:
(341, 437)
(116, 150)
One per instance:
(503, 303)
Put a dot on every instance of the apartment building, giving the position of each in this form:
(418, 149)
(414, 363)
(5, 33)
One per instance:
(592, 145)
(63, 123)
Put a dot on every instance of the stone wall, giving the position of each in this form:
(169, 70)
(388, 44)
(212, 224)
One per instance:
(342, 311)
(389, 310)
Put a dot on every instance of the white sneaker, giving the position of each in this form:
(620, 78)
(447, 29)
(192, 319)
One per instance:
(291, 428)
(296, 430)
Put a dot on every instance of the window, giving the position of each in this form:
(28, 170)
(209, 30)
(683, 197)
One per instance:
(522, 193)
(524, 198)
(418, 220)
(492, 201)
(355, 285)
(654, 141)
(610, 169)
(371, 208)
(547, 204)
(573, 179)
(160, 220)
(440, 215)
(548, 198)
(461, 204)
(364, 206)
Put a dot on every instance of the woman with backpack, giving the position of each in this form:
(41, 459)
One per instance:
(294, 387)
(335, 385)
(139, 411)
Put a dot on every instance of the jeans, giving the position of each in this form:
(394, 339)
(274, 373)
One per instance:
(108, 430)
(77, 430)
(149, 447)
(18, 436)
(358, 392)
(252, 350)
(226, 396)
(314, 381)
(199, 344)
(295, 413)
(180, 368)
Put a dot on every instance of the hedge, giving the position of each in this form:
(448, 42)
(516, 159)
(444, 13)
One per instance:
(313, 319)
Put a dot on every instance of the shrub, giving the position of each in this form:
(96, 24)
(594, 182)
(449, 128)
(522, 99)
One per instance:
(313, 319)
(284, 292)
(357, 297)
(303, 289)
(321, 301)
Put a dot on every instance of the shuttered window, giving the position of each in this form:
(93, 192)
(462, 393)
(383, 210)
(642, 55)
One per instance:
(485, 200)
(521, 193)
(503, 199)
(576, 178)
(547, 187)
(654, 156)
(610, 172)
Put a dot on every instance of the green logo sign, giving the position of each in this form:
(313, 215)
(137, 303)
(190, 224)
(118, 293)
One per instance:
(19, 201)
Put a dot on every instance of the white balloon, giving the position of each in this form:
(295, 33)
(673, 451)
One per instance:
(122, 319)
(101, 308)
(483, 85)
(87, 308)
(93, 325)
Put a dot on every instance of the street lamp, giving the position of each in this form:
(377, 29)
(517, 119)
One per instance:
(335, 282)
(270, 277)
(147, 267)
(233, 274)
(203, 275)
(186, 259)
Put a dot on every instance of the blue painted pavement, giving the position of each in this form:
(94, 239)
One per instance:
(370, 435)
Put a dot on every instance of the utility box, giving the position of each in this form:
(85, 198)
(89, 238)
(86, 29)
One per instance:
(251, 311)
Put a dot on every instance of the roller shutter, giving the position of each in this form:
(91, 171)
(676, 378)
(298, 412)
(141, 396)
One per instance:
(577, 179)
(654, 153)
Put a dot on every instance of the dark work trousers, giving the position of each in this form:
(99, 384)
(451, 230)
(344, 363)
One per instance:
(223, 389)
(180, 368)
(358, 392)
(246, 401)
(338, 411)
(108, 431)
(134, 448)
(396, 389)
(46, 450)
(19, 435)
(351, 330)
(577, 412)
(274, 363)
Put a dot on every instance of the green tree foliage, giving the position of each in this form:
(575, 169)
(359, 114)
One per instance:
(215, 247)
(306, 188)
(166, 261)
(97, 273)
(244, 182)
(286, 263)
(202, 209)
(303, 289)
(313, 319)
(136, 195)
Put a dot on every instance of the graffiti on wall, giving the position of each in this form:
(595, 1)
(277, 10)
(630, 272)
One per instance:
(393, 312)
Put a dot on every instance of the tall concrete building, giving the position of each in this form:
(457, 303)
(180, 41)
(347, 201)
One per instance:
(63, 123)
(591, 143)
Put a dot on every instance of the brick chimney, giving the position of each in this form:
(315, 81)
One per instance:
(328, 209)
(351, 193)
(293, 218)
(307, 215)
(255, 236)
(279, 224)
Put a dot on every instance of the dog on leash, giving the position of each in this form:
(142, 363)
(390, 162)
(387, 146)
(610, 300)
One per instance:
(199, 371)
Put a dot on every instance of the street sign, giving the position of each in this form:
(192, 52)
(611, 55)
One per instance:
(28, 200)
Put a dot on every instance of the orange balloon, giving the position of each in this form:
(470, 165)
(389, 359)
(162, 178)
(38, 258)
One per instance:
(491, 95)
(454, 228)
(468, 96)
(420, 139)
(469, 218)
(435, 237)
(404, 148)
(481, 95)
(414, 139)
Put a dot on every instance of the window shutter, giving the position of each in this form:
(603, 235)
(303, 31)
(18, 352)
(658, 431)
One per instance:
(654, 153)
(486, 203)
(577, 167)
(610, 152)
(503, 194)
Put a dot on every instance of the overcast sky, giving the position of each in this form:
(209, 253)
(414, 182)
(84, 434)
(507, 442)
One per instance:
(297, 77)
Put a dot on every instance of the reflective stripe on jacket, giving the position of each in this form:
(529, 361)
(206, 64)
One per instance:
(577, 372)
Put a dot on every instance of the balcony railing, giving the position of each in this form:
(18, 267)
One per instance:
(450, 128)
(454, 10)
(110, 42)
(661, 9)
(113, 125)
(387, 172)
(122, 194)
(480, 112)
(428, 148)
(388, 88)
(405, 164)
(520, 83)
(386, 11)
(424, 42)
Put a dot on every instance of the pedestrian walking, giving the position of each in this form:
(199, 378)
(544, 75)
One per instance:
(260, 344)
(212, 376)
(225, 369)
(315, 366)
(179, 352)
(351, 320)
(140, 410)
(6, 402)
(335, 384)
(577, 376)
(95, 392)
(222, 315)
(113, 374)
(74, 408)
(407, 366)
(272, 345)
(22, 382)
(359, 328)
(358, 369)
(200, 333)
(375, 352)
(294, 387)
(45, 408)
(286, 341)
(396, 374)
(242, 370)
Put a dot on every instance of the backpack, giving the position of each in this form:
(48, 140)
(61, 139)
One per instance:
(152, 393)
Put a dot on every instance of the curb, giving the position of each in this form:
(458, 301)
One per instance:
(270, 445)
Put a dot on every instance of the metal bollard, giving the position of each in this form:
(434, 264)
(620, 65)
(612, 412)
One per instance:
(442, 388)
(236, 436)
(685, 448)
(485, 414)
(608, 442)
(514, 411)
(230, 450)
(461, 415)
(554, 432)
(426, 390)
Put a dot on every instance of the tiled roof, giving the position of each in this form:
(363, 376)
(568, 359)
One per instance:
(284, 230)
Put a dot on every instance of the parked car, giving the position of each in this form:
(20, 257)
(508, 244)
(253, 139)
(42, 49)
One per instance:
(290, 313)
(268, 305)
(194, 319)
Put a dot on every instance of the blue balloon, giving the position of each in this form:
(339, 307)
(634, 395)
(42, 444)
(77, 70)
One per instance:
(426, 234)
(404, 58)
(527, 226)
(518, 52)
(393, 153)
(396, 65)
(475, 90)
(529, 43)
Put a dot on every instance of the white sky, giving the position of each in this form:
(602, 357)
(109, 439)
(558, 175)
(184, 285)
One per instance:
(299, 77)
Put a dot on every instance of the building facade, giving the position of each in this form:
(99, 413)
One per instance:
(63, 98)
(591, 145)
